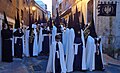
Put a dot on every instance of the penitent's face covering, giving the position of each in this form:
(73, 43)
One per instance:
(58, 38)
(6, 27)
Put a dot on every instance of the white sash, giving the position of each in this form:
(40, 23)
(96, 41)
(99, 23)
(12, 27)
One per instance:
(16, 39)
(76, 48)
(58, 54)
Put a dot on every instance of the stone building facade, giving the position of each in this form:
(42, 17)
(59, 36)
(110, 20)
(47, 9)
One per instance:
(10, 9)
(109, 26)
(66, 7)
(22, 6)
(106, 26)
(9, 6)
(54, 4)
(38, 12)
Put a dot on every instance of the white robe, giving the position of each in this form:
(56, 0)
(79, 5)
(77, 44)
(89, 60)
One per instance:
(14, 40)
(40, 40)
(84, 51)
(101, 53)
(35, 44)
(13, 43)
(23, 38)
(90, 46)
(65, 43)
(62, 28)
(70, 53)
(54, 32)
(26, 50)
(63, 40)
(63, 34)
(91, 50)
(51, 60)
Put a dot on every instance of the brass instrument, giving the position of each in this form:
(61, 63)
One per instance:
(32, 36)
(86, 32)
(38, 29)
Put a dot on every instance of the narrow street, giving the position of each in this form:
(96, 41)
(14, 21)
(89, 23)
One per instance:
(76, 34)
(25, 65)
(38, 65)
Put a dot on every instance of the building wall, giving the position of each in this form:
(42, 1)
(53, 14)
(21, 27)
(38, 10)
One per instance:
(81, 5)
(8, 7)
(22, 6)
(108, 27)
(38, 13)
(23, 12)
(54, 4)
(53, 7)
(39, 10)
(41, 4)
(11, 8)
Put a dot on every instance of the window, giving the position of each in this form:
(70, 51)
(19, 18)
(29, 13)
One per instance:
(21, 14)
(17, 3)
(23, 1)
(10, 0)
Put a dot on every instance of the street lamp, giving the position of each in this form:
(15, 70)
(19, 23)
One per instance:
(33, 9)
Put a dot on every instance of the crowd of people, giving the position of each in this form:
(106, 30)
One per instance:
(70, 46)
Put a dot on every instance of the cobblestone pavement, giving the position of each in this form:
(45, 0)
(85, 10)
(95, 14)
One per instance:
(38, 65)
(15, 67)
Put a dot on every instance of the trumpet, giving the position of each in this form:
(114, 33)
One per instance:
(86, 33)
(32, 35)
